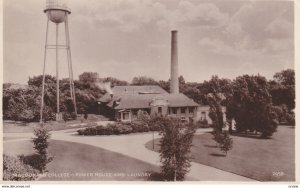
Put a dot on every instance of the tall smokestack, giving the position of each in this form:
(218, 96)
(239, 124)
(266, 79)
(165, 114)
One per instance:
(174, 85)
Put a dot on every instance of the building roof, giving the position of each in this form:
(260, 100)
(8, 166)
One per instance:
(134, 90)
(128, 97)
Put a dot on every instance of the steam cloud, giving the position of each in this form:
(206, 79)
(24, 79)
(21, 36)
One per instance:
(105, 86)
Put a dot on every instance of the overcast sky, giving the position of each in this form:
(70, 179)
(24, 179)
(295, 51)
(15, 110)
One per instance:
(127, 38)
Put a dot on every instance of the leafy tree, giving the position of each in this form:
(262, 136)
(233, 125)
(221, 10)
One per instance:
(251, 105)
(114, 81)
(89, 77)
(285, 77)
(215, 110)
(282, 88)
(181, 80)
(143, 80)
(165, 85)
(37, 80)
(21, 104)
(175, 148)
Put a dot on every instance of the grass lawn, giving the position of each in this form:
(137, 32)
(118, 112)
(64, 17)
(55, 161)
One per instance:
(23, 127)
(71, 158)
(260, 159)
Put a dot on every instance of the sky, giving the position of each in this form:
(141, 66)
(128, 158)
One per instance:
(128, 38)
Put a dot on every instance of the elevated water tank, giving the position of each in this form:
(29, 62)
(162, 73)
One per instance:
(57, 10)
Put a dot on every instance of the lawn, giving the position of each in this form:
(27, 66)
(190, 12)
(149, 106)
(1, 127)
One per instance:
(74, 161)
(260, 159)
(23, 127)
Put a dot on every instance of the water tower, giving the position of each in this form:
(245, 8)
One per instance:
(57, 12)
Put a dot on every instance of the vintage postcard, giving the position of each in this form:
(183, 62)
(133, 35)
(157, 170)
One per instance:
(149, 91)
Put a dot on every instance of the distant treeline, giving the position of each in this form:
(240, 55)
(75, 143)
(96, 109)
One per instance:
(23, 103)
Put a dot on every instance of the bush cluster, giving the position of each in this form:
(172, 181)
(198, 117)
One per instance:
(16, 170)
(118, 128)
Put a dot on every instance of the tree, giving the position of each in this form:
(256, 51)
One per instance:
(224, 142)
(285, 77)
(143, 80)
(251, 105)
(175, 148)
(165, 85)
(215, 111)
(114, 81)
(282, 88)
(37, 80)
(89, 77)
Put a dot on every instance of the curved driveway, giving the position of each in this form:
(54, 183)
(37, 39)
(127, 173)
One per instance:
(133, 145)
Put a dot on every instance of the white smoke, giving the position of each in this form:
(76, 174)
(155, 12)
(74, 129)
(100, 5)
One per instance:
(105, 86)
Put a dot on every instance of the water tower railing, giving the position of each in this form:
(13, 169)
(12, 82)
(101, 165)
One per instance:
(56, 5)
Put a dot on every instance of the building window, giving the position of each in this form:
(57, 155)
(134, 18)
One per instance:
(159, 110)
(148, 110)
(125, 116)
(135, 112)
(174, 110)
(191, 110)
(203, 116)
(182, 109)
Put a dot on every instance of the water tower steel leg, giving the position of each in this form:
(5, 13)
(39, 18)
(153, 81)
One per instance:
(57, 73)
(69, 68)
(44, 69)
(70, 63)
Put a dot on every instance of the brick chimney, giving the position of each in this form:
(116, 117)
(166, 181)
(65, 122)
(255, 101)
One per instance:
(174, 83)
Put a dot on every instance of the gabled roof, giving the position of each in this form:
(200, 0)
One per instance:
(127, 97)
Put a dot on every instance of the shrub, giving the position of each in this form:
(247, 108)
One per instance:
(225, 142)
(41, 144)
(110, 129)
(121, 129)
(143, 116)
(15, 170)
(85, 116)
(101, 130)
(69, 116)
(116, 128)
(217, 137)
(139, 126)
(290, 118)
(36, 161)
(88, 131)
(155, 123)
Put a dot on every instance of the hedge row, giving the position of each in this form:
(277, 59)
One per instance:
(118, 128)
